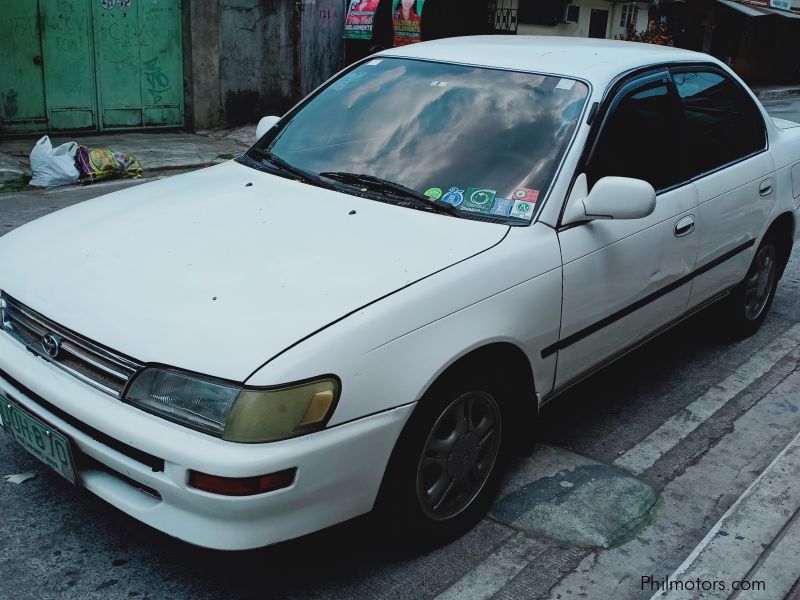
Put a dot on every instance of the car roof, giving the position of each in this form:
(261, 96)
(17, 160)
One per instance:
(595, 60)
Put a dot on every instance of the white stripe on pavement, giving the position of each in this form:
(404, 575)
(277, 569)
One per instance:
(645, 454)
(496, 571)
(762, 508)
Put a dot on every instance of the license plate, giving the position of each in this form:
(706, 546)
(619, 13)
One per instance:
(40, 439)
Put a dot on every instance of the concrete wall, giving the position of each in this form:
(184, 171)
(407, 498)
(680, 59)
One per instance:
(244, 59)
(256, 76)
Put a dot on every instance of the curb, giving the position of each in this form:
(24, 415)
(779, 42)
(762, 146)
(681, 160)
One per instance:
(777, 94)
(764, 515)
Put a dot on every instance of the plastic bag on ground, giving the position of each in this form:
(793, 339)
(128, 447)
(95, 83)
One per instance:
(53, 166)
(100, 163)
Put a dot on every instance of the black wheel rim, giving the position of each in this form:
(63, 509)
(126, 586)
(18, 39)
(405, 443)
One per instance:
(758, 285)
(459, 455)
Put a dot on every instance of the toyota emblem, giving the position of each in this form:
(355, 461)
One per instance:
(51, 344)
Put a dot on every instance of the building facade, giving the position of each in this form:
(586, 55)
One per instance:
(581, 18)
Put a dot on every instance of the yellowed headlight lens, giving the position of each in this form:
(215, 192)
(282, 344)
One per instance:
(269, 415)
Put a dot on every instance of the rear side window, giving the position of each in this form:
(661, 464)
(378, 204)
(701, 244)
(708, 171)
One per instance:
(721, 122)
(640, 139)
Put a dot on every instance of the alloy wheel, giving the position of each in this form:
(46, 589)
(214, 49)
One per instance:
(459, 455)
(759, 282)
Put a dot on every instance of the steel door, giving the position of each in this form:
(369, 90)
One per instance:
(68, 64)
(22, 105)
(138, 63)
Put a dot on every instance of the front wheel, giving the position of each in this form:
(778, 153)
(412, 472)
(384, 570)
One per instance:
(446, 467)
(747, 306)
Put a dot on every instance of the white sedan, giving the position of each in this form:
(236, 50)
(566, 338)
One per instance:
(367, 310)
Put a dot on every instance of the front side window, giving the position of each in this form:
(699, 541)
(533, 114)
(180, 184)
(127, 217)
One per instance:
(721, 123)
(639, 139)
(487, 141)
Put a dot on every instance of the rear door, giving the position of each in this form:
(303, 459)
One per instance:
(624, 279)
(726, 143)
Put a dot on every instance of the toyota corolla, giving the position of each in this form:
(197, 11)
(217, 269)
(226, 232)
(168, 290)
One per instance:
(367, 309)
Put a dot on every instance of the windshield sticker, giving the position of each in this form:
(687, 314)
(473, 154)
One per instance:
(565, 84)
(374, 61)
(522, 210)
(454, 196)
(525, 195)
(502, 207)
(359, 19)
(434, 192)
(438, 83)
(478, 200)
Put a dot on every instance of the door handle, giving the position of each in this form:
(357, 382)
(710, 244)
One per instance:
(684, 226)
(765, 189)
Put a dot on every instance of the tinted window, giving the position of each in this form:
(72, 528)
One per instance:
(437, 126)
(721, 123)
(640, 140)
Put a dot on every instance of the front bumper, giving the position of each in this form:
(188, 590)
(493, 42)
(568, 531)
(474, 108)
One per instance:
(140, 463)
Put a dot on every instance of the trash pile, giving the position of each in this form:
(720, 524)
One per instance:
(71, 163)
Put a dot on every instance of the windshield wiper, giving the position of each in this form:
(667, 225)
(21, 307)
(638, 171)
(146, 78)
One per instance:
(286, 167)
(377, 184)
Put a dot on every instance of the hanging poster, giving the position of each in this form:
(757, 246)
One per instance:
(406, 20)
(359, 20)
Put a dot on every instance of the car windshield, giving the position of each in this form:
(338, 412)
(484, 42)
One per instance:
(487, 141)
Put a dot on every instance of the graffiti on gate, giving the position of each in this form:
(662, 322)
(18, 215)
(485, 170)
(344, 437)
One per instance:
(156, 79)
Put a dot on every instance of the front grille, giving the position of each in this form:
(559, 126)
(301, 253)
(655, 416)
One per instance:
(98, 367)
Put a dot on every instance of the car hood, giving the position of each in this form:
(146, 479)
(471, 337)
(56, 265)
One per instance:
(219, 270)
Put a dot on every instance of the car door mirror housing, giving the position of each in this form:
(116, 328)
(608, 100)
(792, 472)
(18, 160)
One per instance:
(610, 198)
(620, 198)
(265, 124)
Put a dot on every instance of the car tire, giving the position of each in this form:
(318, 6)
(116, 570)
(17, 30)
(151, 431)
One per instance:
(448, 462)
(745, 309)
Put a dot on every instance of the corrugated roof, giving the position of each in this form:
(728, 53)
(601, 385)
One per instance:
(758, 10)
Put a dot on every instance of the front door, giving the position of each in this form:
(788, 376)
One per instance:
(625, 279)
(598, 24)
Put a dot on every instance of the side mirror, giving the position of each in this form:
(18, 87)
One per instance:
(264, 125)
(610, 198)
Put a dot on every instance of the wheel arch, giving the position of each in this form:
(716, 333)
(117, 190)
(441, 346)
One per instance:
(782, 228)
(509, 366)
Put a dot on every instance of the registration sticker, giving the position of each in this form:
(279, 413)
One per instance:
(502, 207)
(525, 195)
(454, 196)
(479, 200)
(438, 83)
(522, 210)
(374, 61)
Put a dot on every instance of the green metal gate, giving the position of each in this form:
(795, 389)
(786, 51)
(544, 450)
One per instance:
(90, 64)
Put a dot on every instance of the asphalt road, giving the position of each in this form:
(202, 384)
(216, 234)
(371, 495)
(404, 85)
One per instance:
(58, 541)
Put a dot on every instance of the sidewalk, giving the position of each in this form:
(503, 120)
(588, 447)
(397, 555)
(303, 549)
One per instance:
(157, 151)
(754, 549)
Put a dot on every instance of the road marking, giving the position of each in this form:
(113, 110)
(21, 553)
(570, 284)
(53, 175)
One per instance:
(496, 571)
(645, 454)
(760, 508)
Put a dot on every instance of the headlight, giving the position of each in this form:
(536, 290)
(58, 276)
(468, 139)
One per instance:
(230, 411)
